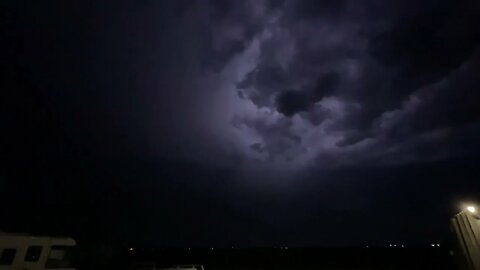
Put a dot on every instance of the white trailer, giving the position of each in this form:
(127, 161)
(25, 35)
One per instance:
(23, 252)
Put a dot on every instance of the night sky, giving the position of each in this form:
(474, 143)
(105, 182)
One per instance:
(246, 123)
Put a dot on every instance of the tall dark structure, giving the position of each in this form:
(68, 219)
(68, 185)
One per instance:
(466, 227)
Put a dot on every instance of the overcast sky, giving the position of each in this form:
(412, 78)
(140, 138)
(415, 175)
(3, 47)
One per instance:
(266, 122)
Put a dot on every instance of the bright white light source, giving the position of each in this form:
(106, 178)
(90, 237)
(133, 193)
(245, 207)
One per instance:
(433, 245)
(471, 209)
(131, 249)
(438, 245)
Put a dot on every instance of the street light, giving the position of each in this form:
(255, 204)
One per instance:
(471, 209)
(465, 226)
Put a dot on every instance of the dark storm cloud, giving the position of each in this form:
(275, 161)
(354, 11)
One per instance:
(351, 81)
(278, 139)
(290, 102)
(368, 76)
(325, 86)
(223, 28)
(311, 9)
(271, 117)
(449, 104)
(427, 46)
(344, 75)
(267, 80)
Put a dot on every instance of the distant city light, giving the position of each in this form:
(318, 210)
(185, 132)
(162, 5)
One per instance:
(131, 249)
(433, 245)
(471, 209)
(438, 245)
(403, 246)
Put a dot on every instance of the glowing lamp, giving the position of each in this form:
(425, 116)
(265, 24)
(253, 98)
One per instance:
(471, 209)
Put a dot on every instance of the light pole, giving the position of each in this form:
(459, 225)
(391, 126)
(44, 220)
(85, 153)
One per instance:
(466, 228)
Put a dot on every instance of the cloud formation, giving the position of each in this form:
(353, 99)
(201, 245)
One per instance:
(269, 114)
(281, 83)
(335, 83)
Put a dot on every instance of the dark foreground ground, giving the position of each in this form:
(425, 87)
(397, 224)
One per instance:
(270, 259)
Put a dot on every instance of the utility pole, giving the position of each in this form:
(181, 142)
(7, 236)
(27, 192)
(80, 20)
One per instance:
(466, 227)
